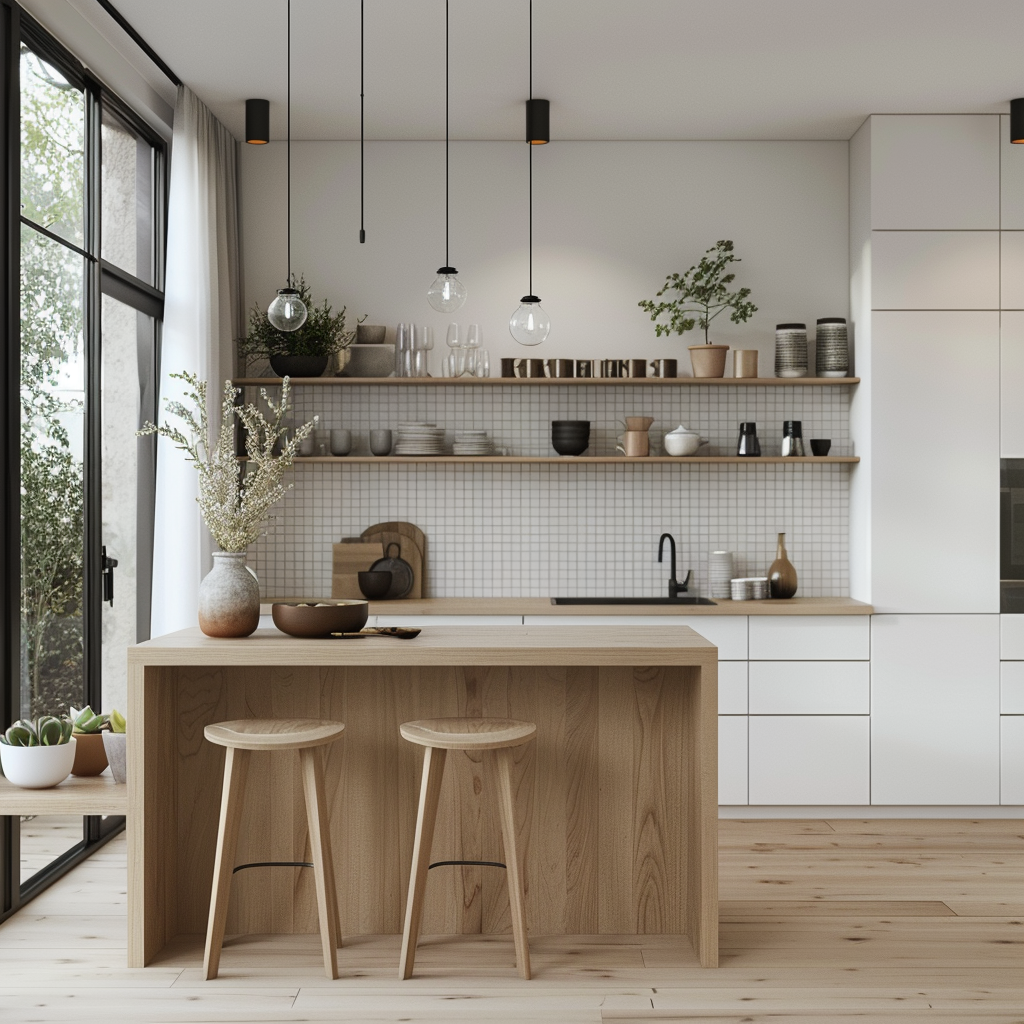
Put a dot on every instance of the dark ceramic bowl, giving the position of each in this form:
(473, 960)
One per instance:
(571, 425)
(309, 621)
(375, 585)
(570, 437)
(298, 366)
(820, 446)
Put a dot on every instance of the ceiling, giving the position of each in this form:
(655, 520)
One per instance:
(635, 69)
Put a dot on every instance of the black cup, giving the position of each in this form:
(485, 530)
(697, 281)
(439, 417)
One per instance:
(820, 445)
(570, 437)
(374, 585)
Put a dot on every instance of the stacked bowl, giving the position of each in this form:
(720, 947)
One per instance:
(570, 437)
(720, 574)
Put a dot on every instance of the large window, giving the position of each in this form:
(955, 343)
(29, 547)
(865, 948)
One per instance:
(84, 185)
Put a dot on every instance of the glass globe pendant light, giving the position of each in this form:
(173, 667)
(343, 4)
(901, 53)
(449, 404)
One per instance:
(447, 293)
(288, 312)
(529, 324)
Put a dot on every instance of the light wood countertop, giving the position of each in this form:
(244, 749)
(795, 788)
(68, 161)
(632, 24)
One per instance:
(543, 606)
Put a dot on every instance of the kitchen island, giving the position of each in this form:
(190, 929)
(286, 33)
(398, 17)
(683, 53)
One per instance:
(616, 801)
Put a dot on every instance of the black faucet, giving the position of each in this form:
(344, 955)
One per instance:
(675, 588)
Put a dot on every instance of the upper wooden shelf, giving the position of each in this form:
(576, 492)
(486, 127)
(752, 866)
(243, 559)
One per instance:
(99, 794)
(575, 460)
(740, 382)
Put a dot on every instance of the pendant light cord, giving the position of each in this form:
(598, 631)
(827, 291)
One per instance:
(362, 132)
(447, 261)
(529, 143)
(289, 142)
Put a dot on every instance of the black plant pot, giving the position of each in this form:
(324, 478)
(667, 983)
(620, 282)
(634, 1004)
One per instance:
(299, 366)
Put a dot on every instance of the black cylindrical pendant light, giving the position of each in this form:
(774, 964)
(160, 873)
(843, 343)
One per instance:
(1017, 120)
(538, 121)
(257, 122)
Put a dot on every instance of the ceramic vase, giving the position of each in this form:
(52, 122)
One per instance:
(115, 744)
(782, 575)
(229, 597)
(708, 360)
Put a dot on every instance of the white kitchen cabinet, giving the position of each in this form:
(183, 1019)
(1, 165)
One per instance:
(732, 687)
(809, 759)
(935, 709)
(809, 638)
(1012, 760)
(732, 759)
(1011, 637)
(935, 270)
(1011, 382)
(1011, 270)
(932, 172)
(727, 632)
(934, 465)
(810, 688)
(1011, 688)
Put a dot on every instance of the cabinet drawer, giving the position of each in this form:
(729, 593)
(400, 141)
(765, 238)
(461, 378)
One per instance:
(727, 632)
(1011, 768)
(810, 638)
(809, 688)
(1011, 637)
(732, 759)
(732, 687)
(1011, 688)
(809, 759)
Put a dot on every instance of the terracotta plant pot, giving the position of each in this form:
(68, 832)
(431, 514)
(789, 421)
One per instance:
(90, 757)
(708, 360)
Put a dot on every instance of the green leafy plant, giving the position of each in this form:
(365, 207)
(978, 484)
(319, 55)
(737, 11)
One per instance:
(702, 294)
(45, 731)
(118, 724)
(87, 721)
(322, 334)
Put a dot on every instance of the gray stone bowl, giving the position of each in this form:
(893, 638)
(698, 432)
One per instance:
(370, 334)
(370, 361)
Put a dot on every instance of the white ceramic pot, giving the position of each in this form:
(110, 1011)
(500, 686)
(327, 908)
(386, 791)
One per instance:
(115, 744)
(682, 441)
(229, 597)
(38, 767)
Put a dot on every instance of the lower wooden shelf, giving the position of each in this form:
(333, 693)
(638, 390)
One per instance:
(97, 795)
(576, 460)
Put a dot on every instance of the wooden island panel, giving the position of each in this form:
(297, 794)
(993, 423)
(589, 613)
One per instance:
(616, 800)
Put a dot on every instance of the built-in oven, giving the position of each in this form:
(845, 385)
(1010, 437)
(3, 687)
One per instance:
(1011, 535)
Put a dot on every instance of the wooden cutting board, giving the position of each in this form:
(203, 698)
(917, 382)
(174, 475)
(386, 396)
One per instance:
(350, 559)
(413, 543)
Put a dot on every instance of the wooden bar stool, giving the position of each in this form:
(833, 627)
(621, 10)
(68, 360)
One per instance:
(496, 737)
(241, 738)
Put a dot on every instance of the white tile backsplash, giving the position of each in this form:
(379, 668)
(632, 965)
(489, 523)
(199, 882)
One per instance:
(540, 530)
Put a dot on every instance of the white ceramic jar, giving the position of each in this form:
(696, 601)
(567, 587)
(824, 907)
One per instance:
(682, 441)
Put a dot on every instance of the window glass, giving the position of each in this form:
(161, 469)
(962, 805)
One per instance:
(52, 149)
(127, 198)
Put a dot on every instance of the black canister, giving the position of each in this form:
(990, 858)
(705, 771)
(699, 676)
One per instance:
(792, 438)
(748, 443)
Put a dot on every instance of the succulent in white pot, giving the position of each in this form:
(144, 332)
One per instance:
(38, 754)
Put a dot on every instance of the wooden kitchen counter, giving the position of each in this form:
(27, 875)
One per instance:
(616, 801)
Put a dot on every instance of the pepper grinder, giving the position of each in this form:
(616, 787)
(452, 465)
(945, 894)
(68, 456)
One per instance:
(748, 443)
(792, 438)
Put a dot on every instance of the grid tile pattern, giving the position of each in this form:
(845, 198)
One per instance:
(539, 530)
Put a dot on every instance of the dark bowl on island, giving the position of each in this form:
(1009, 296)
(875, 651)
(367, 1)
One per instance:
(310, 621)
(375, 585)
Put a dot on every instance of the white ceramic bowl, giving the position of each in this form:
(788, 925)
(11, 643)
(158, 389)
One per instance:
(38, 767)
(682, 443)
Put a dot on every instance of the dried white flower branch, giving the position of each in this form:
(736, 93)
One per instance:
(234, 501)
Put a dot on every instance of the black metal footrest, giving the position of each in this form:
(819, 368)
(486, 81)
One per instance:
(467, 863)
(275, 864)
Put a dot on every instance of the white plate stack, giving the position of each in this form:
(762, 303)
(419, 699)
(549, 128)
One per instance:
(419, 439)
(473, 442)
(720, 573)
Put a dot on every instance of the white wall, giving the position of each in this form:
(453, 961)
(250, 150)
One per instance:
(611, 220)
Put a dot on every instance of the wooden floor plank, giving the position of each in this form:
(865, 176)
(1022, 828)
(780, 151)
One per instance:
(748, 910)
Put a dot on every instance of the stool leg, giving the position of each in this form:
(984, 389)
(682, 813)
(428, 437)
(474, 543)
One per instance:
(502, 761)
(430, 793)
(319, 842)
(236, 766)
(332, 896)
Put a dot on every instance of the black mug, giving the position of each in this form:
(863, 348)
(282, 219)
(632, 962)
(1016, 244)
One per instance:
(748, 443)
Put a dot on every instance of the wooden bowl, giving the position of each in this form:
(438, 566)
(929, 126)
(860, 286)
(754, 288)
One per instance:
(309, 621)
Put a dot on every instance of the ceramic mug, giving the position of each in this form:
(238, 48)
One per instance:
(634, 368)
(744, 362)
(529, 367)
(664, 368)
(508, 367)
(584, 367)
(559, 367)
(634, 444)
(341, 442)
(611, 367)
(380, 442)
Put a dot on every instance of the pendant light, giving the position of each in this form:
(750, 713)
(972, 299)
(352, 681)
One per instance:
(257, 122)
(1017, 120)
(288, 312)
(447, 293)
(362, 132)
(529, 324)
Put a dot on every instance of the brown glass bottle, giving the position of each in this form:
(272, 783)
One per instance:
(782, 575)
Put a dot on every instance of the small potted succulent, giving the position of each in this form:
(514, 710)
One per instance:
(302, 353)
(38, 754)
(702, 294)
(90, 758)
(115, 746)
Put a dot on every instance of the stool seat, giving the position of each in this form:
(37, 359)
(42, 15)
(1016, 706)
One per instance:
(469, 733)
(274, 733)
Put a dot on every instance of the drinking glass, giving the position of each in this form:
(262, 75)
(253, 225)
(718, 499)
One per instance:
(483, 363)
(402, 342)
(474, 336)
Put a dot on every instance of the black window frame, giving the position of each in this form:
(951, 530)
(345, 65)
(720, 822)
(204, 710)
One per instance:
(100, 278)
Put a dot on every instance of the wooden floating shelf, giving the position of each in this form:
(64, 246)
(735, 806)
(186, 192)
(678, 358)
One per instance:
(575, 460)
(97, 795)
(741, 382)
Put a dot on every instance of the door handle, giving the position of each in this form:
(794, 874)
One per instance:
(107, 567)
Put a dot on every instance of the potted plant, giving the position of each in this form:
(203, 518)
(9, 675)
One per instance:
(114, 745)
(90, 758)
(703, 294)
(38, 754)
(302, 353)
(234, 497)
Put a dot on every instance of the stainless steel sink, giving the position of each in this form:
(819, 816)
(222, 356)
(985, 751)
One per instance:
(682, 600)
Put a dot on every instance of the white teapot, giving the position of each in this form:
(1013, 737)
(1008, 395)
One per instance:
(683, 441)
